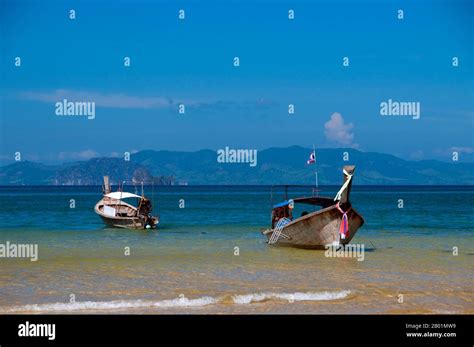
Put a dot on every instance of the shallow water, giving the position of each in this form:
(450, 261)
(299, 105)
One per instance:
(210, 257)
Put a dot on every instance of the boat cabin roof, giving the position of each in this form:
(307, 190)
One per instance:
(313, 200)
(281, 204)
(121, 195)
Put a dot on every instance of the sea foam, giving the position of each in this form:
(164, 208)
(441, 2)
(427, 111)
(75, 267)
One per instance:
(259, 297)
(180, 302)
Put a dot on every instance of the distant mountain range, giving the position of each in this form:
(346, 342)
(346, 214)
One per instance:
(274, 166)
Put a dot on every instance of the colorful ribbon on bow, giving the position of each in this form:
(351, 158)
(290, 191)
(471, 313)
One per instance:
(344, 226)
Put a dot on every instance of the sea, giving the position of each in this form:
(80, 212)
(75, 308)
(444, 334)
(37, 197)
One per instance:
(208, 254)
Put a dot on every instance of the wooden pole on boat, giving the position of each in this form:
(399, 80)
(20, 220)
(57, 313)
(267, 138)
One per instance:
(315, 170)
(106, 185)
(316, 174)
(271, 197)
(121, 191)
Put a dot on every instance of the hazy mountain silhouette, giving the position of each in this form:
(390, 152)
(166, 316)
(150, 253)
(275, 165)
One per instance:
(274, 166)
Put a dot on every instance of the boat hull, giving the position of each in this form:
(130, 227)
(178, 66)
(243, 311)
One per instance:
(318, 229)
(125, 223)
(131, 222)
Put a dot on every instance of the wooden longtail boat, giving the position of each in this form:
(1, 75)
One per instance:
(117, 213)
(334, 224)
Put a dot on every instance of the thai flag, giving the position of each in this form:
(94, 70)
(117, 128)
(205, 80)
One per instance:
(312, 158)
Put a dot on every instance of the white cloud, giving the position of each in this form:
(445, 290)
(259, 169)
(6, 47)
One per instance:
(417, 155)
(119, 100)
(83, 155)
(337, 131)
(467, 150)
(447, 153)
(125, 101)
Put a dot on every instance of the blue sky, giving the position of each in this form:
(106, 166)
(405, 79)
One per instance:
(190, 61)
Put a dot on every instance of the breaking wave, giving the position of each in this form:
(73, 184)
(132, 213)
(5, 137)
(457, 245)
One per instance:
(249, 298)
(174, 303)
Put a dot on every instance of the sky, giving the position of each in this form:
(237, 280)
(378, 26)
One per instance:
(190, 61)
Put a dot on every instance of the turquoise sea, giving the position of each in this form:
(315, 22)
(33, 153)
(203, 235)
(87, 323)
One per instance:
(210, 257)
